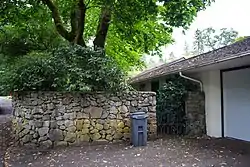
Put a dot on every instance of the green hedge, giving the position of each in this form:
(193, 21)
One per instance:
(71, 68)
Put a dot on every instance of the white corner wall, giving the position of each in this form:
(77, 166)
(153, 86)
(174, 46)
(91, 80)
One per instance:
(212, 88)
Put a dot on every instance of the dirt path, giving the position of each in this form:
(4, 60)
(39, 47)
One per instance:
(5, 135)
(170, 152)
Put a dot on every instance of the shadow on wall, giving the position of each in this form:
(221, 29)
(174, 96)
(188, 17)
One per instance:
(5, 105)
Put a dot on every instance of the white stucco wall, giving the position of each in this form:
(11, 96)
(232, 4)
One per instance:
(211, 87)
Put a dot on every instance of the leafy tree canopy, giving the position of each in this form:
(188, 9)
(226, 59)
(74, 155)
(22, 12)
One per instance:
(126, 29)
(209, 39)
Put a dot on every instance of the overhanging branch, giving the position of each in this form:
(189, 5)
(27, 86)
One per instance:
(57, 19)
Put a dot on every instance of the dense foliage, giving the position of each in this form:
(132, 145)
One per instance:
(19, 41)
(71, 68)
(127, 29)
(171, 101)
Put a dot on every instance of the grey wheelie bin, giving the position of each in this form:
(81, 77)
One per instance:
(139, 128)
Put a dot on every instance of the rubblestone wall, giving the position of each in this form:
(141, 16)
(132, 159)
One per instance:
(195, 113)
(49, 119)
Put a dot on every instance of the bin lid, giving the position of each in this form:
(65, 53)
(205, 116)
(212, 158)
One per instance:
(139, 115)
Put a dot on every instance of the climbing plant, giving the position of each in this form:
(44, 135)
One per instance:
(171, 103)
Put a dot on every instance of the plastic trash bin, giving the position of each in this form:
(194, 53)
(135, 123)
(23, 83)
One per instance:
(139, 128)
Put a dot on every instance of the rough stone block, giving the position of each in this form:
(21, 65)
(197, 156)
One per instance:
(85, 131)
(120, 125)
(70, 137)
(95, 136)
(71, 129)
(118, 135)
(84, 138)
(81, 115)
(126, 130)
(113, 110)
(60, 144)
(109, 137)
(95, 112)
(43, 131)
(27, 138)
(79, 124)
(55, 135)
(94, 131)
(99, 126)
(106, 126)
(69, 123)
(43, 138)
(46, 123)
(112, 116)
(53, 124)
(46, 144)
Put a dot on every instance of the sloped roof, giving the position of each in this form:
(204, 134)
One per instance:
(235, 50)
(158, 67)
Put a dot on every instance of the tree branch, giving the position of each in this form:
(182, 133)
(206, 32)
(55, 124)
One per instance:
(57, 19)
(102, 29)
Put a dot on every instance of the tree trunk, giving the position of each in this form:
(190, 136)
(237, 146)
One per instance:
(102, 29)
(81, 14)
(77, 17)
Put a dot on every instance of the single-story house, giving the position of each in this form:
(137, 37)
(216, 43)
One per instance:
(224, 76)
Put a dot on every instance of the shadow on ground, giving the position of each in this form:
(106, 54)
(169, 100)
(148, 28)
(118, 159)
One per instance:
(170, 152)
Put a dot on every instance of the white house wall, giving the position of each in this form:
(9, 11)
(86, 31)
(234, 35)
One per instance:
(212, 89)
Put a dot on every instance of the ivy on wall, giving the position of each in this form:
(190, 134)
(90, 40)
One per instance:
(171, 102)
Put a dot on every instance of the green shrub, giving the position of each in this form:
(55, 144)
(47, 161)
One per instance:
(72, 68)
(171, 100)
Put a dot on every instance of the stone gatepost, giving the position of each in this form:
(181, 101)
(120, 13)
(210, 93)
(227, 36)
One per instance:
(195, 114)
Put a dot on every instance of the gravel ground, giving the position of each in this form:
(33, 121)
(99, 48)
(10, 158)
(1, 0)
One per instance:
(5, 135)
(169, 152)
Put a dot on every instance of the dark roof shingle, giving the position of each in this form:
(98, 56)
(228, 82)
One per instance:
(238, 49)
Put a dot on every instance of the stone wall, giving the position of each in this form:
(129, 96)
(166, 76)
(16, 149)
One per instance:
(195, 112)
(50, 119)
